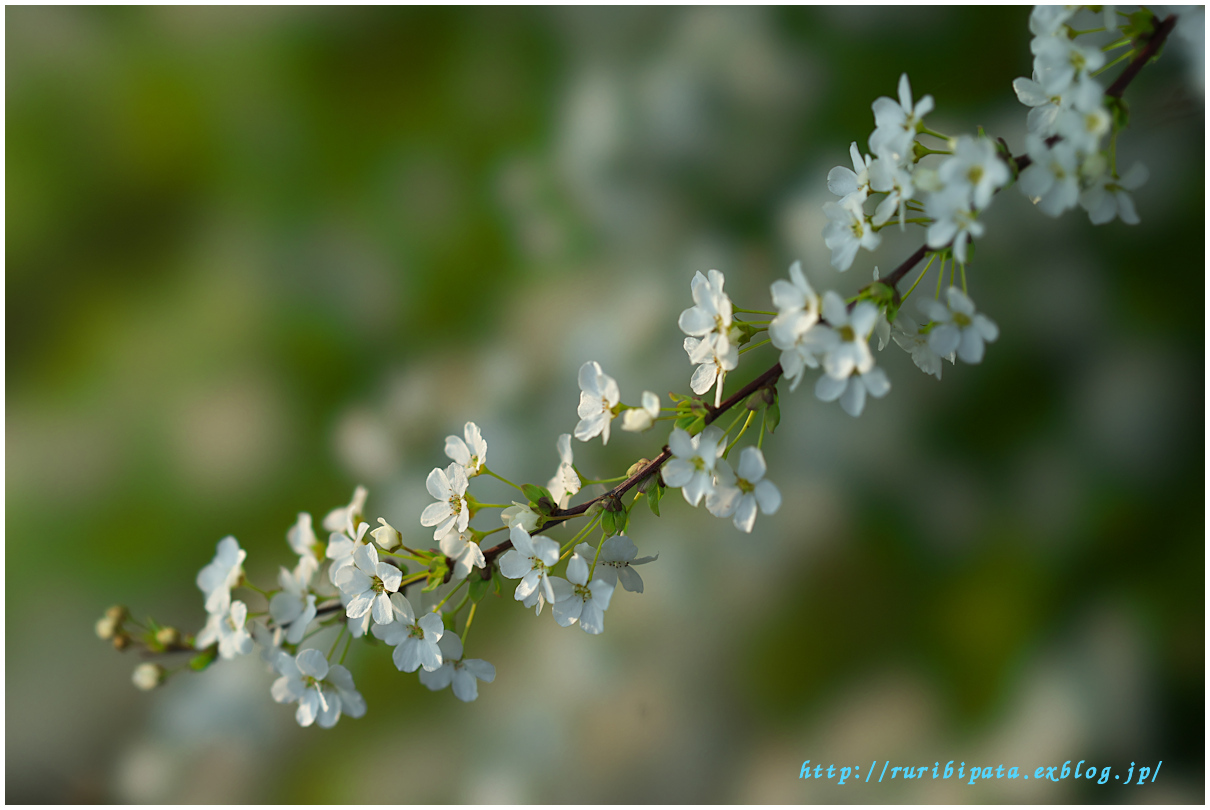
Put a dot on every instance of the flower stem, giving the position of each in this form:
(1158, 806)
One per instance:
(754, 311)
(932, 259)
(1121, 58)
(750, 348)
(500, 477)
(453, 591)
(934, 133)
(740, 435)
(336, 641)
(470, 617)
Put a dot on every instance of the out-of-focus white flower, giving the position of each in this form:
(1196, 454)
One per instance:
(847, 230)
(856, 181)
(954, 221)
(227, 628)
(322, 692)
(1052, 179)
(958, 327)
(851, 349)
(530, 560)
(341, 547)
(147, 676)
(221, 575)
(693, 460)
(301, 537)
(615, 563)
(908, 336)
(470, 454)
(598, 396)
(975, 166)
(1083, 94)
(852, 390)
(345, 518)
(450, 513)
(566, 481)
(887, 175)
(581, 601)
(415, 642)
(636, 420)
(740, 492)
(897, 123)
(797, 308)
(710, 318)
(464, 551)
(464, 674)
(366, 584)
(1107, 197)
(712, 370)
(1059, 61)
(1045, 21)
(292, 608)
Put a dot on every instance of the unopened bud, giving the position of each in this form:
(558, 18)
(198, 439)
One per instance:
(637, 467)
(121, 642)
(168, 636)
(387, 535)
(148, 676)
(106, 627)
(613, 504)
(118, 613)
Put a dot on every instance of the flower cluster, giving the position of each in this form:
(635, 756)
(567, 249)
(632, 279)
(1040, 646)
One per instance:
(1069, 120)
(356, 582)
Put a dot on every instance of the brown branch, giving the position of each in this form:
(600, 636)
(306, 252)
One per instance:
(1154, 43)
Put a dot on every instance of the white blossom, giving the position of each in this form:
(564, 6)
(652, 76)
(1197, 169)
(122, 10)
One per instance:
(741, 491)
(221, 575)
(897, 123)
(955, 222)
(958, 327)
(578, 600)
(386, 535)
(292, 608)
(301, 537)
(519, 514)
(464, 551)
(616, 561)
(975, 166)
(1046, 21)
(852, 390)
(856, 181)
(797, 308)
(450, 513)
(850, 349)
(464, 674)
(887, 175)
(322, 692)
(636, 420)
(470, 454)
(147, 676)
(598, 396)
(906, 333)
(1052, 179)
(847, 230)
(566, 481)
(341, 547)
(712, 370)
(345, 518)
(366, 584)
(415, 641)
(1059, 61)
(1107, 197)
(693, 460)
(1083, 94)
(710, 318)
(530, 560)
(227, 628)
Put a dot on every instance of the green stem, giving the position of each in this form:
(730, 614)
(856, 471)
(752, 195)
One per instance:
(500, 477)
(963, 269)
(470, 617)
(453, 591)
(753, 311)
(764, 416)
(336, 641)
(934, 133)
(1121, 58)
(932, 259)
(1119, 44)
(579, 535)
(740, 435)
(753, 346)
(345, 652)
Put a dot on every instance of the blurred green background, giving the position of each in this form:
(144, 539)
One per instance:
(258, 256)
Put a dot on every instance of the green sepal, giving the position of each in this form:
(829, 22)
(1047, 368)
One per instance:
(438, 571)
(772, 416)
(746, 331)
(199, 662)
(653, 499)
(479, 587)
(608, 522)
(536, 493)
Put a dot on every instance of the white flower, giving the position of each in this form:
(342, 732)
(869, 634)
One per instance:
(1107, 197)
(470, 454)
(301, 537)
(292, 608)
(227, 628)
(530, 560)
(851, 349)
(955, 222)
(464, 551)
(578, 600)
(519, 514)
(856, 181)
(742, 491)
(366, 584)
(1059, 61)
(222, 574)
(344, 518)
(713, 369)
(1052, 179)
(269, 640)
(565, 483)
(450, 512)
(1084, 124)
(897, 123)
(957, 327)
(341, 547)
(614, 563)
(323, 692)
(147, 676)
(693, 460)
(852, 390)
(1083, 94)
(598, 396)
(887, 175)
(636, 420)
(1046, 21)
(907, 334)
(464, 674)
(975, 166)
(797, 308)
(710, 319)
(386, 535)
(415, 642)
(848, 230)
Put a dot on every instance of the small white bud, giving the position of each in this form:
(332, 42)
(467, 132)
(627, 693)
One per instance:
(148, 676)
(387, 535)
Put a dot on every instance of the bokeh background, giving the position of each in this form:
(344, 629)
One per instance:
(258, 256)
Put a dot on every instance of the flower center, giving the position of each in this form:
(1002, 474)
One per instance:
(975, 174)
(962, 320)
(583, 592)
(376, 585)
(415, 631)
(456, 504)
(744, 484)
(846, 333)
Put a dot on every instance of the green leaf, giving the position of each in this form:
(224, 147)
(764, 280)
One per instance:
(533, 492)
(205, 659)
(438, 571)
(772, 417)
(653, 499)
(622, 521)
(479, 586)
(608, 522)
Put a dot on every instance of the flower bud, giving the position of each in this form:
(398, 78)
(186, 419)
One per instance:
(387, 535)
(148, 676)
(118, 613)
(121, 642)
(106, 627)
(168, 636)
(636, 467)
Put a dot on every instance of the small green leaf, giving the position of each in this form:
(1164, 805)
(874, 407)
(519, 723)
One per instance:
(478, 586)
(653, 499)
(203, 660)
(533, 492)
(772, 417)
(608, 522)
